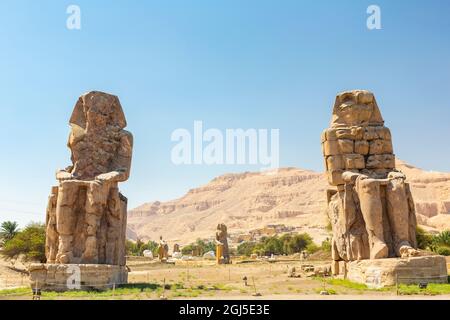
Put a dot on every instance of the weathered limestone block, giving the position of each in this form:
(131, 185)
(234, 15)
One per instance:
(380, 161)
(362, 147)
(388, 272)
(380, 146)
(63, 277)
(335, 163)
(331, 148)
(335, 177)
(354, 161)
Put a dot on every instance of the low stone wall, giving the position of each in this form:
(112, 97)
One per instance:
(64, 277)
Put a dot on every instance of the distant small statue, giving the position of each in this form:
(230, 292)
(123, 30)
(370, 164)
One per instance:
(222, 252)
(163, 250)
(370, 207)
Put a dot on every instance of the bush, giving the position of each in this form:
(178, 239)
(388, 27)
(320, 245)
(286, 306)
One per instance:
(312, 248)
(30, 243)
(424, 240)
(442, 238)
(443, 251)
(326, 245)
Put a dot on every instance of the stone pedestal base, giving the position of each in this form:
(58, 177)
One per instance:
(64, 277)
(387, 272)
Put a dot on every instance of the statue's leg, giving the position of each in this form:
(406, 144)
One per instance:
(114, 226)
(51, 238)
(398, 211)
(372, 210)
(66, 220)
(97, 195)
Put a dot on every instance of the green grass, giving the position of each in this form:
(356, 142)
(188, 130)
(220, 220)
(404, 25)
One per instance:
(223, 287)
(432, 289)
(16, 292)
(360, 287)
(128, 291)
(347, 284)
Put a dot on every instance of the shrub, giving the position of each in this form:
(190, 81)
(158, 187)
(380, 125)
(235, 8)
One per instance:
(442, 238)
(326, 245)
(443, 251)
(424, 239)
(30, 243)
(312, 248)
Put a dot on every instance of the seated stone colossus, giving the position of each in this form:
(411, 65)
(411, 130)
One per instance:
(86, 214)
(370, 205)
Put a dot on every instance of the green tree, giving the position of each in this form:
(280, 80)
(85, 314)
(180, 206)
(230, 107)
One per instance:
(153, 247)
(8, 230)
(30, 243)
(273, 245)
(246, 248)
(137, 248)
(130, 247)
(187, 250)
(299, 242)
(200, 245)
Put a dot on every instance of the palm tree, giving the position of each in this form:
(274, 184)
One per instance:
(8, 230)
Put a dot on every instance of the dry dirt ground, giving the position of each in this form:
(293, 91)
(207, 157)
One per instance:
(205, 280)
(10, 276)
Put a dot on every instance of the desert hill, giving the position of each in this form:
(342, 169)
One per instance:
(291, 197)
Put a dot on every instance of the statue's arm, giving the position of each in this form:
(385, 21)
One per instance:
(350, 177)
(64, 174)
(122, 161)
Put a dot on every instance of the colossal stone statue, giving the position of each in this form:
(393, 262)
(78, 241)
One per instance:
(222, 254)
(370, 207)
(86, 214)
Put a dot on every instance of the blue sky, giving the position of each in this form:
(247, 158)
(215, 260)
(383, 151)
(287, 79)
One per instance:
(232, 64)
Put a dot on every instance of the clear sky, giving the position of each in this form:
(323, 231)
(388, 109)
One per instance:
(231, 64)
